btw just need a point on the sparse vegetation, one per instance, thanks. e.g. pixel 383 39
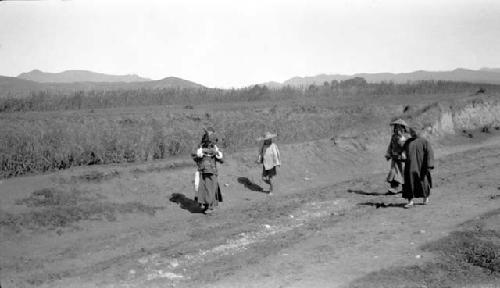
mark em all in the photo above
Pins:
pixel 466 257
pixel 93 176
pixel 53 208
pixel 161 168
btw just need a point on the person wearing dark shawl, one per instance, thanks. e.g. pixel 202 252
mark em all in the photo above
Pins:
pixel 395 153
pixel 206 157
pixel 417 175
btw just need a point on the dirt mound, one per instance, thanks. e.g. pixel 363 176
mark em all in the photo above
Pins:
pixel 449 117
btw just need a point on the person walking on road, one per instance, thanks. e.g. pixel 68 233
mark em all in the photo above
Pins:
pixel 269 157
pixel 395 153
pixel 417 170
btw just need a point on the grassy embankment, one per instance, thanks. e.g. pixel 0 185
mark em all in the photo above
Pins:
pixel 37 140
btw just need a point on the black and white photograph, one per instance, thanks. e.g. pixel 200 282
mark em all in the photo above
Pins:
pixel 250 143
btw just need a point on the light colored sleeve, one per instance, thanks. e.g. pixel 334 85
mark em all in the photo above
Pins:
pixel 277 151
pixel 218 153
pixel 199 152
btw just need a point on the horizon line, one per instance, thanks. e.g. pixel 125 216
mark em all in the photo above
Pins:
pixel 269 81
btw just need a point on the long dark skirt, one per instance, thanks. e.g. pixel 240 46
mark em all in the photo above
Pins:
pixel 417 186
pixel 209 190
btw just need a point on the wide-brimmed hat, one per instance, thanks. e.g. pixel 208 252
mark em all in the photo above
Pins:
pixel 209 129
pixel 267 135
pixel 399 122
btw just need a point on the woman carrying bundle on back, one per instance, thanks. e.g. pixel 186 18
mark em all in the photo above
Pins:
pixel 269 157
pixel 206 157
pixel 395 153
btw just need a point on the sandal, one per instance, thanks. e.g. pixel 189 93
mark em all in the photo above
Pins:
pixel 408 205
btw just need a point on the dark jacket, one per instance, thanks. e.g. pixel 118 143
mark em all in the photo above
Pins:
pixel 419 162
pixel 207 158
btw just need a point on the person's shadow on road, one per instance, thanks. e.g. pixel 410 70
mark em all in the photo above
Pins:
pixel 382 204
pixel 249 184
pixel 366 193
pixel 186 203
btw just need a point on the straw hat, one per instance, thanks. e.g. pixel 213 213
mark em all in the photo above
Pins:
pixel 267 135
pixel 209 129
pixel 399 122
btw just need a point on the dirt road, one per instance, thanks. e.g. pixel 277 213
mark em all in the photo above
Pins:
pixel 329 226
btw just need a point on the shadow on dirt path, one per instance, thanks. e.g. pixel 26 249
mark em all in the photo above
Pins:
pixel 186 203
pixel 362 192
pixel 249 184
pixel 382 204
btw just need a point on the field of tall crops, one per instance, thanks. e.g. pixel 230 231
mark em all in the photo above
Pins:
pixel 36 142
pixel 49 132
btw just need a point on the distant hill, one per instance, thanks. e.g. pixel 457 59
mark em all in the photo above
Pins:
pixel 81 79
pixel 19 87
pixel 272 84
pixel 318 79
pixel 165 83
pixel 484 75
pixel 13 86
pixel 71 76
pixel 490 69
pixel 169 82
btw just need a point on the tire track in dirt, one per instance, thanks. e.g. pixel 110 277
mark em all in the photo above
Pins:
pixel 173 268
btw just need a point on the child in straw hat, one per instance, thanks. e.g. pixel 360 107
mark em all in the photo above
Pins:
pixel 269 157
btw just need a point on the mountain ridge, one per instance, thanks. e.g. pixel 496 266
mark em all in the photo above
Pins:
pixel 483 75
pixel 71 76
pixel 19 86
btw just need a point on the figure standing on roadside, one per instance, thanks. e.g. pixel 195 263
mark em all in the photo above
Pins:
pixel 206 157
pixel 395 153
pixel 197 160
pixel 417 175
pixel 269 157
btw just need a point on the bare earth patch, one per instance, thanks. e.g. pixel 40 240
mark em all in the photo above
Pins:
pixel 52 208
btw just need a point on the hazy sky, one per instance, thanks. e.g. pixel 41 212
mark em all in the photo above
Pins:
pixel 237 43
